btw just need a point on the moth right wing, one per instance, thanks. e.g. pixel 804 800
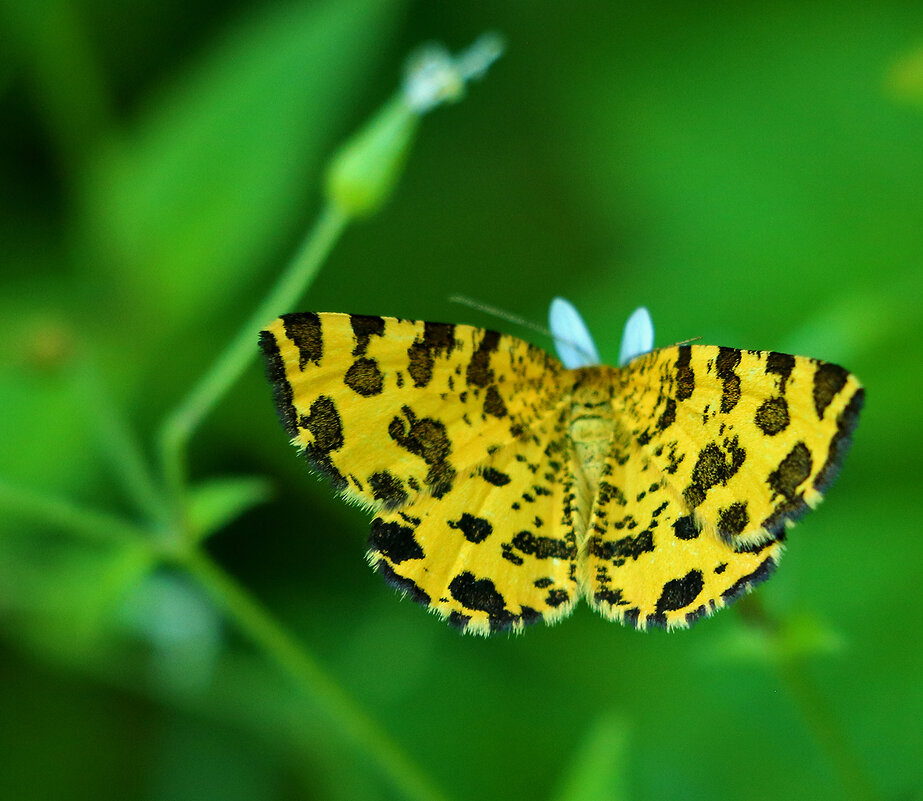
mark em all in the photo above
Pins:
pixel 719 452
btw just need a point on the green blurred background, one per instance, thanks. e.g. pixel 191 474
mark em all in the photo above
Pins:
pixel 753 173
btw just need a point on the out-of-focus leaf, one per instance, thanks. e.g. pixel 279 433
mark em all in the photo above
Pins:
pixel 45 444
pixel 173 616
pixel 217 169
pixel 597 769
pixel 904 81
pixel 215 503
pixel 63 602
pixel 797 636
pixel 49 42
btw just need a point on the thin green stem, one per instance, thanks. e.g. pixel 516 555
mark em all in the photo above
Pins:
pixel 827 730
pixel 817 713
pixel 182 421
pixel 88 523
pixel 295 660
pixel 120 444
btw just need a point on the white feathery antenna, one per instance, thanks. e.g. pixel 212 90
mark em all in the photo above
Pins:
pixel 638 337
pixel 572 339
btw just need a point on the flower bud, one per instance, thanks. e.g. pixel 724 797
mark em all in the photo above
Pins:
pixel 363 172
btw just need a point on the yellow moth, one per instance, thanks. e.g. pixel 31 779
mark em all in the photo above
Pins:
pixel 507 484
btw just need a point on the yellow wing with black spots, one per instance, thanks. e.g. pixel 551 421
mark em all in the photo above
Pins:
pixel 500 549
pixel 722 450
pixel 390 409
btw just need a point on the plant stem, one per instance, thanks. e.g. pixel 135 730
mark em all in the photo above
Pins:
pixel 90 524
pixel 817 713
pixel 185 418
pixel 120 444
pixel 827 731
pixel 268 635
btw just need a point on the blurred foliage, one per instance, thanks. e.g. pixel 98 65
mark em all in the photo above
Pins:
pixel 749 172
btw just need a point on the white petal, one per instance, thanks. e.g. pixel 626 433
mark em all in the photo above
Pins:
pixel 572 338
pixel 638 337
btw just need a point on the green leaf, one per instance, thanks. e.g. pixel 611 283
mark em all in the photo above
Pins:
pixel 64 601
pixel 218 167
pixel 597 768
pixel 904 81
pixel 796 636
pixel 215 503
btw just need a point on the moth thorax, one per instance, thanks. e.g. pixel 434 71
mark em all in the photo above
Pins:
pixel 591 413
pixel 590 431
pixel 591 427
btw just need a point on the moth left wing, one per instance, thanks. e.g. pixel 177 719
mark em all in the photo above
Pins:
pixel 390 410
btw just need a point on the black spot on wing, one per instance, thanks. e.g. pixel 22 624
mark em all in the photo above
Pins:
pixel 630 616
pixel 780 364
pixel 685 528
pixel 438 339
pixel 544 547
pixel 324 425
pixel 685 378
pixel 557 597
pixel 715 465
pixel 610 596
pixel 364 328
pixel 364 378
pixel 732 520
pixel 495 477
pixel 791 472
pixel 609 493
pixel 783 481
pixel 772 416
pixel 323 422
pixel 669 415
pixel 478 372
pixel 474 529
pixel 681 592
pixel 395 541
pixel 618 550
pixel 696 615
pixel 426 438
pixel 304 329
pixel 527 615
pixel 458 620
pixel 493 403
pixel 725 364
pixel 829 380
pixel 388 489
pixel 281 388
pixel 481 595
